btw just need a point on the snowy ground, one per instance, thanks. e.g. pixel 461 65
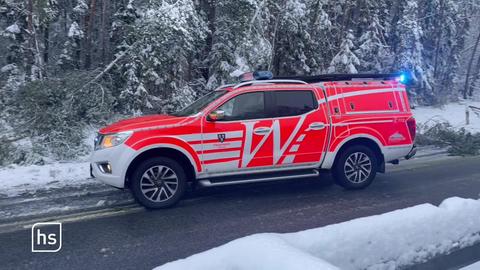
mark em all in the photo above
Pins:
pixel 475 266
pixel 453 113
pixel 15 180
pixel 388 241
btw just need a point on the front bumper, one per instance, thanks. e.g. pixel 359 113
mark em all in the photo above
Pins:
pixel 119 158
pixel 412 152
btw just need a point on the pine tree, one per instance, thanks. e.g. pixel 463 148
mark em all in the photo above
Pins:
pixel 345 61
pixel 70 57
pixel 238 41
pixel 13 72
pixel 291 39
pixel 410 50
pixel 319 33
pixel 166 37
pixel 373 52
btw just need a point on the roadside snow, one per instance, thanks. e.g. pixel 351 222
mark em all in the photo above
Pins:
pixel 453 113
pixel 475 266
pixel 15 180
pixel 388 241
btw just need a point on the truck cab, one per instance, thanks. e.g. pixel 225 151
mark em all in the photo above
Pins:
pixel 263 129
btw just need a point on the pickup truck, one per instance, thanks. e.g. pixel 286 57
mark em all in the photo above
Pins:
pixel 262 129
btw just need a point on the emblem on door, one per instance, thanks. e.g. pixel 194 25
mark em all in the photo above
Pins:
pixel 221 137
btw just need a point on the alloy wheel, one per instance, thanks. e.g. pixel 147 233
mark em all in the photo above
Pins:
pixel 159 183
pixel 358 167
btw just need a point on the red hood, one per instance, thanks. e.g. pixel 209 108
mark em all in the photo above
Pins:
pixel 142 122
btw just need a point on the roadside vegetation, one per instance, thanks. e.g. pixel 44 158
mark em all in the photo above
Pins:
pixel 459 142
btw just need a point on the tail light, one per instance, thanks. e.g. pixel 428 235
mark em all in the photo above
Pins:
pixel 412 127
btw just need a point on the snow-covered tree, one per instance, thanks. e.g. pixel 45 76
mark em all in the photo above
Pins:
pixel 166 39
pixel 70 56
pixel 410 50
pixel 373 52
pixel 291 39
pixel 239 41
pixel 318 44
pixel 345 61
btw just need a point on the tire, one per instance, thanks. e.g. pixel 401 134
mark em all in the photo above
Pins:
pixel 356 167
pixel 158 182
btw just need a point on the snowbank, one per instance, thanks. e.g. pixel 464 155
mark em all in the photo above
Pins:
pixel 453 113
pixel 18 179
pixel 475 266
pixel 386 241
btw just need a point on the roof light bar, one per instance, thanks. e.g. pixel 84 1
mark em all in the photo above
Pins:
pixel 257 75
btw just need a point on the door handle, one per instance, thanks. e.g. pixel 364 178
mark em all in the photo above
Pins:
pixel 316 126
pixel 261 131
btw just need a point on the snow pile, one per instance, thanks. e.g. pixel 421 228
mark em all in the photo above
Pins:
pixel 474 266
pixel 388 241
pixel 453 113
pixel 18 179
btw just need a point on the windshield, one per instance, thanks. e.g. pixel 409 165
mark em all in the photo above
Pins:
pixel 200 103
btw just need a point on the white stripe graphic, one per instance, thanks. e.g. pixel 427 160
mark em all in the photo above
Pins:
pixel 211 136
pixel 361 93
pixel 220 155
pixel 300 138
pixel 373 112
pixel 217 146
pixel 223 166
pixel 361 123
pixel 288 159
pixel 294 148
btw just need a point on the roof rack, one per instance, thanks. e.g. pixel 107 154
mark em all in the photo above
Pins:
pixel 341 77
pixel 269 81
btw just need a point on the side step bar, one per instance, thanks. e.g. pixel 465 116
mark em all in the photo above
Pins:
pixel 259 178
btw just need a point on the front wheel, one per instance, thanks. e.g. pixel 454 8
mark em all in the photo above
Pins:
pixel 158 182
pixel 356 167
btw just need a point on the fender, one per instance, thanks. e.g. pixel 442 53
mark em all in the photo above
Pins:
pixel 168 142
pixel 331 155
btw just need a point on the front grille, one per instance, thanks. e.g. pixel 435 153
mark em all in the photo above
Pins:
pixel 97 141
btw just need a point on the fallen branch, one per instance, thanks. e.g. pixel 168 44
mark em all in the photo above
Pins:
pixel 109 66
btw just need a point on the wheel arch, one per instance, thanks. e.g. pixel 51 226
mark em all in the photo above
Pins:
pixel 364 139
pixel 163 151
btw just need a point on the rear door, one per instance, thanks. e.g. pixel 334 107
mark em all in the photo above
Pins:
pixel 300 127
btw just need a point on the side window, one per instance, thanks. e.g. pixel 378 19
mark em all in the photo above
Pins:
pixel 296 102
pixel 244 107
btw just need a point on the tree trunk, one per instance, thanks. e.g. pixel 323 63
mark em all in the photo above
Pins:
pixel 88 33
pixel 30 52
pixel 467 91
pixel 104 39
pixel 438 38
pixel 46 43
pixel 477 78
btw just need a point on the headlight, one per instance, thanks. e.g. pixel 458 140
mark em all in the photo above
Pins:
pixel 111 140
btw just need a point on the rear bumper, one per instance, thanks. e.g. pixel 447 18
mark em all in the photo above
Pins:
pixel 412 152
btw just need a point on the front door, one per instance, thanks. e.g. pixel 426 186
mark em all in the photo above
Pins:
pixel 239 140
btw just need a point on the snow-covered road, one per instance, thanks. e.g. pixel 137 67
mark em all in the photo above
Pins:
pixel 61 188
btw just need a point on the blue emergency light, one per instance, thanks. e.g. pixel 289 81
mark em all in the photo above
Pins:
pixel 404 78
pixel 257 75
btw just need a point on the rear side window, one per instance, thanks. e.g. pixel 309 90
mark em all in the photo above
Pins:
pixel 295 102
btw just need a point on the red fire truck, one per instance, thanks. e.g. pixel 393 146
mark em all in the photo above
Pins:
pixel 262 129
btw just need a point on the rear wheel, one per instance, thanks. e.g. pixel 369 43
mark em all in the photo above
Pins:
pixel 356 167
pixel 158 182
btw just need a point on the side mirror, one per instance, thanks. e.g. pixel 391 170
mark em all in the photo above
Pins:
pixel 216 115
